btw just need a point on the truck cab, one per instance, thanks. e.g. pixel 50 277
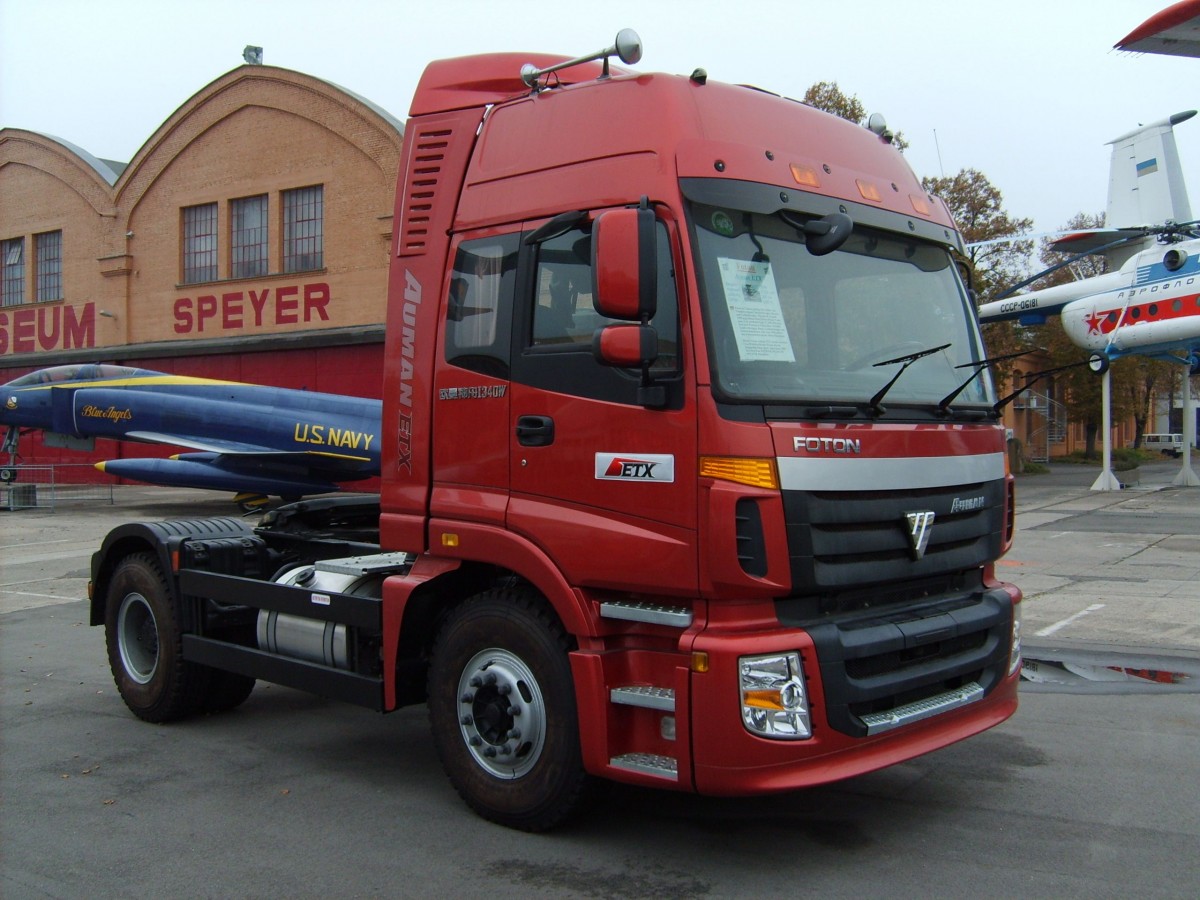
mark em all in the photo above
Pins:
pixel 692 476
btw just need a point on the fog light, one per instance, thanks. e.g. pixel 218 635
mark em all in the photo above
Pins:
pixel 1014 656
pixel 774 701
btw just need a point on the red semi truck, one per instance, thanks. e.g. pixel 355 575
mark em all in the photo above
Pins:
pixel 692 475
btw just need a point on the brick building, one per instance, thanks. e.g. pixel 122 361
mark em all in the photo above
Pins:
pixel 247 239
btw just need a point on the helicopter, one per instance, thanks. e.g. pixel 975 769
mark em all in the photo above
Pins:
pixel 1149 303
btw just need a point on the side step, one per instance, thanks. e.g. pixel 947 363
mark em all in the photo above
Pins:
pixel 647 764
pixel 644 695
pixel 653 613
pixel 373 564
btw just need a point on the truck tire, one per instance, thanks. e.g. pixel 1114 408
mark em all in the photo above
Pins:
pixel 226 691
pixel 502 710
pixel 145 652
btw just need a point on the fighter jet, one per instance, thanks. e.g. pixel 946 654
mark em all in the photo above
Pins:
pixel 247 438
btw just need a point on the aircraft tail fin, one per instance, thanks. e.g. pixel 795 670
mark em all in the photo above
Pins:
pixel 1145 183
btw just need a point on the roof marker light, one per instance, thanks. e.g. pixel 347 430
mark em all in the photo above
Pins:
pixel 868 190
pixel 805 175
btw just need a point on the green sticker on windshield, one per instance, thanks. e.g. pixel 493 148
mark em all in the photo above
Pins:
pixel 722 224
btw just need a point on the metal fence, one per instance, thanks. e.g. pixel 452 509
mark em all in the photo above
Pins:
pixel 45 487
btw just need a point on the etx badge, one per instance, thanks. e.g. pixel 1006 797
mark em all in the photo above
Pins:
pixel 635 467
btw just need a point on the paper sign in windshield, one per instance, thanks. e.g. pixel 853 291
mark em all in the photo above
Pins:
pixel 754 311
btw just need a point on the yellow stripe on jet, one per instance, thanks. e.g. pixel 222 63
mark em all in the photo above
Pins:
pixel 155 380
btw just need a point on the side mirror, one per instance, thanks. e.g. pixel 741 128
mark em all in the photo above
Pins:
pixel 823 235
pixel 626 345
pixel 625 261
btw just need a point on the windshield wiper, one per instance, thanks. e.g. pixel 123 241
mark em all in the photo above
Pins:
pixel 943 407
pixel 873 405
pixel 1034 379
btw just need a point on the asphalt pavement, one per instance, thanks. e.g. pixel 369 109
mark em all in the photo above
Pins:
pixel 1089 791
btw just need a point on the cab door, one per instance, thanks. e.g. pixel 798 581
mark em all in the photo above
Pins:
pixel 471 381
pixel 601 482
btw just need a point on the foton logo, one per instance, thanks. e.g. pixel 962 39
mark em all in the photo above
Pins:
pixel 827 445
pixel 635 467
pixel 919 526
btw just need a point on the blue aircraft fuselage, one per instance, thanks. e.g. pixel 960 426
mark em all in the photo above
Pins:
pixel 244 437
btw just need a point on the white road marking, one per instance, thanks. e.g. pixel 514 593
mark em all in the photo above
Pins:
pixel 43 596
pixel 1046 632
pixel 35 544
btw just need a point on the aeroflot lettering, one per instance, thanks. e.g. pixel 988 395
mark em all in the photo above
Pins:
pixel 827 445
pixel 1178 284
pixel 408 352
pixel 328 436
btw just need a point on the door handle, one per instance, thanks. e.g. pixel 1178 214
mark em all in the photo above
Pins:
pixel 535 431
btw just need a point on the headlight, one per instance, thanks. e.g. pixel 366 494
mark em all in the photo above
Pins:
pixel 774 701
pixel 1014 656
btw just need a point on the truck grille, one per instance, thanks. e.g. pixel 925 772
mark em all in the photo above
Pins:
pixel 840 541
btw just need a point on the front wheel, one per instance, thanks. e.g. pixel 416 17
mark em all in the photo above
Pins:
pixel 502 710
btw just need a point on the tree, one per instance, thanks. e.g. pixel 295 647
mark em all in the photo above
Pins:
pixel 996 260
pixel 827 96
pixel 998 257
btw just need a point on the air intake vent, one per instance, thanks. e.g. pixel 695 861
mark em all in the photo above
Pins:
pixel 751 545
pixel 429 153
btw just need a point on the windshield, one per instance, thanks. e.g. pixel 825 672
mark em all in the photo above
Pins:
pixel 77 372
pixel 790 327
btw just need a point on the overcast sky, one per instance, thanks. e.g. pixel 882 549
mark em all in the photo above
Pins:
pixel 1026 91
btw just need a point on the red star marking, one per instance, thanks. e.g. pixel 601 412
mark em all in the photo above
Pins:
pixel 1094 321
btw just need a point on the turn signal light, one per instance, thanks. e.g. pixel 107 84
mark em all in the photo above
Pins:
pixel 760 473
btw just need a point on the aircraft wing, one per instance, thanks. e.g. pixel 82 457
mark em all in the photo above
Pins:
pixel 217 447
pixel 1174 31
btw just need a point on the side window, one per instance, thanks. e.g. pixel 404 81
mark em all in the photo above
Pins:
pixel 479 311
pixel 557 321
pixel 562 303
pixel 563 315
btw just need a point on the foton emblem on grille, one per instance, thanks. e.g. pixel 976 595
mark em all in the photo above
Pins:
pixel 919 526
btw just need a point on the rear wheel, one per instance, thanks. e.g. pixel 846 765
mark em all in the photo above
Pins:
pixel 226 690
pixel 144 639
pixel 502 710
